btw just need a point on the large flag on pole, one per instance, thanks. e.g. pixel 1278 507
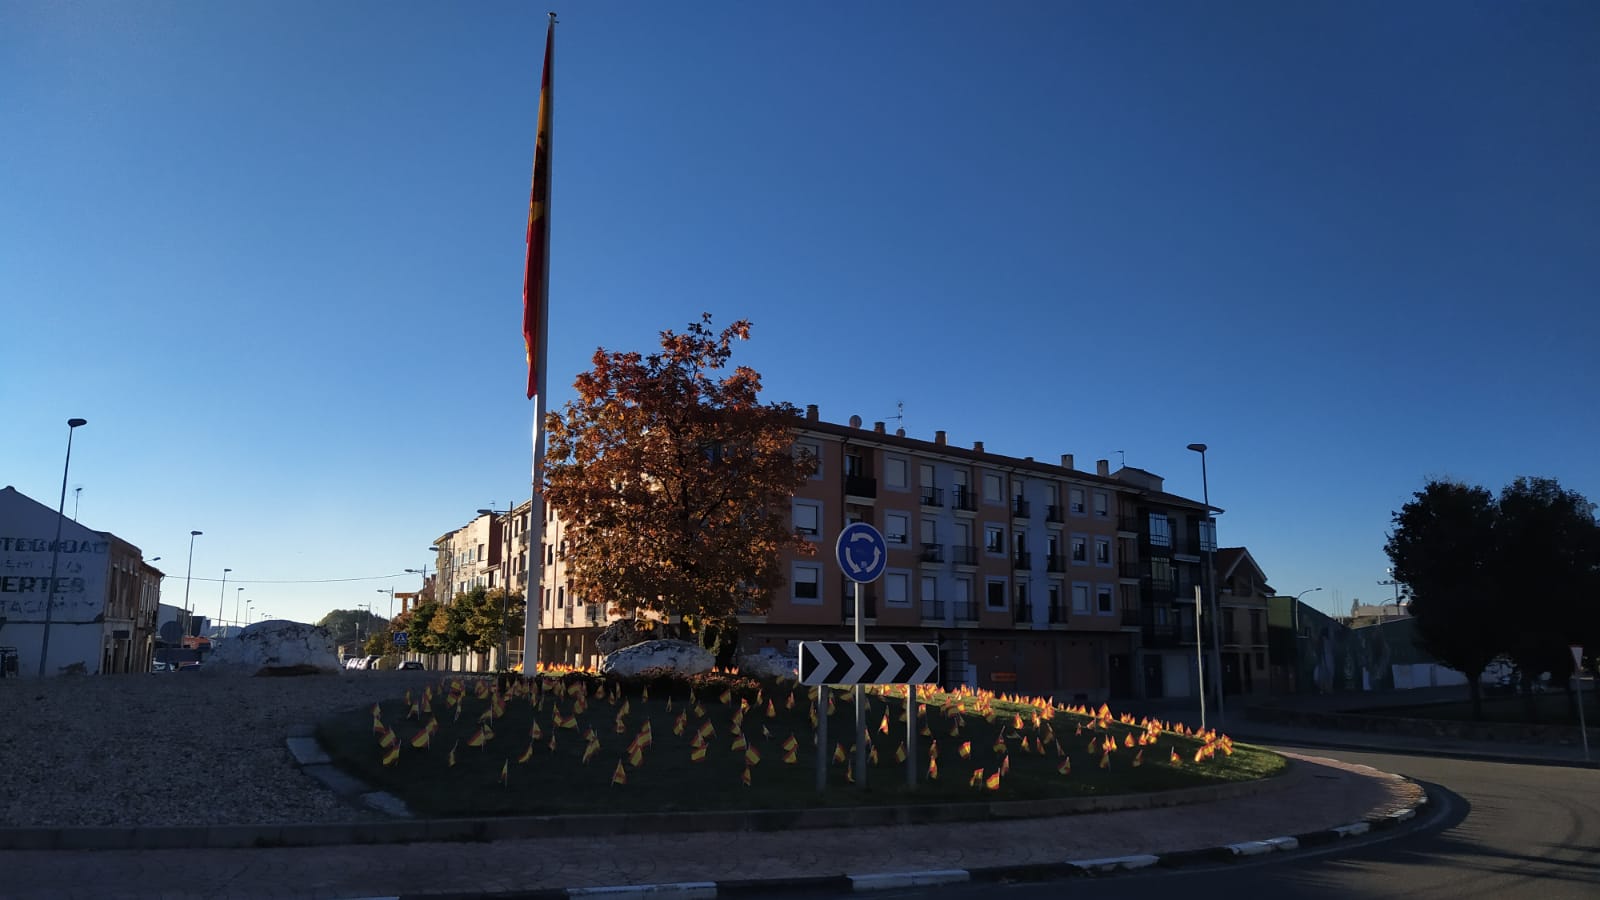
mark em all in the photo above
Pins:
pixel 536 275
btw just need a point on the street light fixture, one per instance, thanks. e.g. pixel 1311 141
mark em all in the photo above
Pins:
pixel 55 548
pixel 390 592
pixel 222 596
pixel 236 593
pixel 1211 584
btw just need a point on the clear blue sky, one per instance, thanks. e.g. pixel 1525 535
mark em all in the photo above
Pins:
pixel 272 251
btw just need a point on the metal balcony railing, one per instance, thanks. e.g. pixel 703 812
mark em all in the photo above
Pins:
pixel 1130 569
pixel 1020 508
pixel 932 553
pixel 1024 611
pixel 966 611
pixel 1055 562
pixel 1022 559
pixel 1052 513
pixel 961 498
pixel 964 555
pixel 933 610
pixel 932 496
pixel 869 604
pixel 1058 614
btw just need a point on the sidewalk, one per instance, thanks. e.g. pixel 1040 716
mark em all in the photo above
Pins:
pixel 1314 798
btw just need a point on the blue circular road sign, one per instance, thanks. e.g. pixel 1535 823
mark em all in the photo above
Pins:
pixel 862 552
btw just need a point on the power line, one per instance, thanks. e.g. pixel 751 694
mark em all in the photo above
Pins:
pixel 307 580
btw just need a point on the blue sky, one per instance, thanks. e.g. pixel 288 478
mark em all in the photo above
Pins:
pixel 272 252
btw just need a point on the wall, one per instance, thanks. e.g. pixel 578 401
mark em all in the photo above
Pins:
pixel 27 531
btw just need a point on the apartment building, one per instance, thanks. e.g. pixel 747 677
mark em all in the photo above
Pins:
pixel 1242 591
pixel 1031 576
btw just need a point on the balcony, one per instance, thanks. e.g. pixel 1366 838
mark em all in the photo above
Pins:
pixel 964 555
pixel 1129 524
pixel 1052 513
pixel 933 610
pixel 931 553
pixel 932 497
pixel 1130 569
pixel 860 486
pixel 1055 562
pixel 1020 508
pixel 1022 559
pixel 1058 614
pixel 1024 611
pixel 961 498
pixel 966 611
pixel 594 615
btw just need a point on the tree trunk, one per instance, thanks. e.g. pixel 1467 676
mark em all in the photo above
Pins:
pixel 1475 691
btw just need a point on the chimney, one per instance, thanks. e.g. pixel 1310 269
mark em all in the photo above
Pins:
pixel 1102 467
pixel 877 427
pixel 938 438
pixel 977 446
pixel 811 412
pixel 899 432
pixel 1066 460
pixel 855 421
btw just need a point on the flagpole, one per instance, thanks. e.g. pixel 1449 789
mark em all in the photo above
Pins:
pixel 534 606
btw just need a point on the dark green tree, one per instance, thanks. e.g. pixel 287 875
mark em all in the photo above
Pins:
pixel 352 626
pixel 1443 551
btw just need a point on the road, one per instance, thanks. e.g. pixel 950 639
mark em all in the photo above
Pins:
pixel 1496 830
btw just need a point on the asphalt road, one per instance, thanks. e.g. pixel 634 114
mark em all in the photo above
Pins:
pixel 1494 830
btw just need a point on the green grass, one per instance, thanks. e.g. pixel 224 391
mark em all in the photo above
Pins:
pixel 1551 710
pixel 557 781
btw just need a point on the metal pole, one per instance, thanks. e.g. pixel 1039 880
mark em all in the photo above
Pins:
pixel 1583 730
pixel 1199 658
pixel 222 596
pixel 911 735
pixel 55 548
pixel 1211 587
pixel 822 737
pixel 188 573
pixel 861 696
pixel 237 592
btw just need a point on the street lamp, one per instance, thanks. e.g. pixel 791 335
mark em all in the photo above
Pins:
pixel 236 593
pixel 1211 583
pixel 249 609
pixel 187 573
pixel 390 592
pixel 505 585
pixel 55 548
pixel 1295 609
pixel 222 596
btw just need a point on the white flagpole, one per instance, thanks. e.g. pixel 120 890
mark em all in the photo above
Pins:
pixel 534 605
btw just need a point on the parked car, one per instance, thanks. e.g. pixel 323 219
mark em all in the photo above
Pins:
pixel 411 664
pixel 188 667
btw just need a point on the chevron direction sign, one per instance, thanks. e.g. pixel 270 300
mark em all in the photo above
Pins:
pixel 843 662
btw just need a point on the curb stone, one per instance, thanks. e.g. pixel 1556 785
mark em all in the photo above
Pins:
pixel 874 881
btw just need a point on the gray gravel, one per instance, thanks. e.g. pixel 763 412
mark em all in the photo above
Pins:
pixel 173 749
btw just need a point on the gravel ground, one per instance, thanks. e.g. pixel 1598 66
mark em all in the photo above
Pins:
pixel 171 749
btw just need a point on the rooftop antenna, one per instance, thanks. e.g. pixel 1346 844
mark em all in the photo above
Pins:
pixel 900 415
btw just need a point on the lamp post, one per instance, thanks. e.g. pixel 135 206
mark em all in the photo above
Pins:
pixel 183 626
pixel 222 598
pixel 249 608
pixel 1294 610
pixel 1211 584
pixel 55 548
pixel 505 584
pixel 236 597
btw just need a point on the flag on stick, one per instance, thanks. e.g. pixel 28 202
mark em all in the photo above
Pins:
pixel 536 270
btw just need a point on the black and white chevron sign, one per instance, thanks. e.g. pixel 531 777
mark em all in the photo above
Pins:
pixel 843 662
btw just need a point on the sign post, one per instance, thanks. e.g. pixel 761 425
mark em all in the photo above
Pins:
pixel 862 554
pixel 824 663
pixel 1577 680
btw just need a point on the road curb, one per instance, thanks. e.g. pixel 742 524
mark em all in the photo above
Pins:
pixel 1028 872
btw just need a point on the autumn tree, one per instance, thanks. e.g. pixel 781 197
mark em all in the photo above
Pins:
pixel 675 481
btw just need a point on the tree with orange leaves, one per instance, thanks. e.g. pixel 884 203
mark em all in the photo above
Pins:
pixel 676 481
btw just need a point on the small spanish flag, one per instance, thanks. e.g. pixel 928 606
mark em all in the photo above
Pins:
pixel 965 751
pixel 393 756
pixel 453 753
pixel 588 751
pixel 739 743
pixel 993 783
pixel 698 754
pixel 636 758
pixel 977 778
pixel 1175 759
pixel 478 738
pixel 1066 765
pixel 526 754
pixel 789 757
pixel 505 773
pixel 746 776
pixel 900 752
pixel 1105 760
pixel 933 750
pixel 838 753
pixel 752 756
pixel 883 727
pixel 422 739
pixel 620 776
pixel 933 770
pixel 772 711
pixel 1005 765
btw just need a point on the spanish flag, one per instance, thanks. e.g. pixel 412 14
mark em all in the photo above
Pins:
pixel 536 272
pixel 620 776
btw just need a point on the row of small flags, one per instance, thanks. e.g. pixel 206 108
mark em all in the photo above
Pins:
pixel 955 709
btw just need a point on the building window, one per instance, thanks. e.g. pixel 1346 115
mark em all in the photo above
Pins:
pixel 1208 536
pixel 1102 504
pixel 894 472
pixel 1080 599
pixel 1160 573
pixel 932 608
pixel 991 488
pixel 897 588
pixel 1022 595
pixel 1160 530
pixel 807 583
pixel 561 597
pixel 994 539
pixel 807 518
pixel 1102 551
pixel 1256 637
pixel 807 449
pixel 546 598
pixel 1228 637
pixel 930 531
pixel 896 527
pixel 1075 501
pixel 1055 602
pixel 994 596
pixel 1102 595
pixel 1080 549
pixel 1159 615
pixel 853 467
pixel 925 475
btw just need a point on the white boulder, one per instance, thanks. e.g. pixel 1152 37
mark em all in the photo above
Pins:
pixel 770 666
pixel 618 634
pixel 275 647
pixel 658 658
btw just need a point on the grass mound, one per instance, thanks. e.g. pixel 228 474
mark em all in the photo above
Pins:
pixel 574 742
